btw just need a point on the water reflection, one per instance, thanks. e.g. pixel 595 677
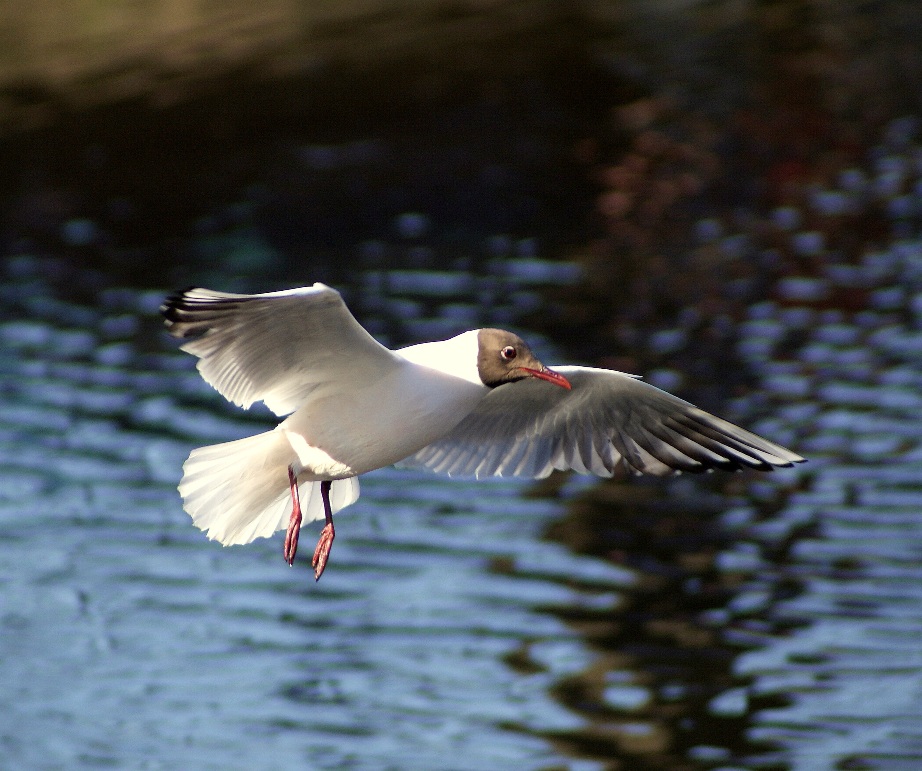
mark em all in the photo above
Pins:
pixel 735 620
pixel 660 690
pixel 767 636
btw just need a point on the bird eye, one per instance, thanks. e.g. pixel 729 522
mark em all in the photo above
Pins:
pixel 508 353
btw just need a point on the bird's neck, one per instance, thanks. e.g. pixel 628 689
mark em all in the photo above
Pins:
pixel 456 357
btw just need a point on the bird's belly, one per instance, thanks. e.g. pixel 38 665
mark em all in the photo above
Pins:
pixel 353 430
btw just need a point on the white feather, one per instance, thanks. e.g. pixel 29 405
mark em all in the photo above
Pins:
pixel 239 491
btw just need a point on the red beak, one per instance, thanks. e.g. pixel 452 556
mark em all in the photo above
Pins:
pixel 548 374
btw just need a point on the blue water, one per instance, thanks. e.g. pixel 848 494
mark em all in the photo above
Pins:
pixel 448 632
pixel 130 641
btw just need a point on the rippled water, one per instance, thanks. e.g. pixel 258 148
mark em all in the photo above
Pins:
pixel 743 622
pixel 851 672
pixel 789 637
pixel 131 641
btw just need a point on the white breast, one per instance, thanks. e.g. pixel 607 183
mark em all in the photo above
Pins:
pixel 358 427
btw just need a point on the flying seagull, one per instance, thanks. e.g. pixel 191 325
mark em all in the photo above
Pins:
pixel 479 404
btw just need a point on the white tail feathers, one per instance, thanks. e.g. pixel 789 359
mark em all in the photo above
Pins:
pixel 238 491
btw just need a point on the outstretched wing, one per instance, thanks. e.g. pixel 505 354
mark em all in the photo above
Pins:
pixel 275 347
pixel 529 428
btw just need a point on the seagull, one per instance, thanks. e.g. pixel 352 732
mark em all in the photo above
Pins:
pixel 479 404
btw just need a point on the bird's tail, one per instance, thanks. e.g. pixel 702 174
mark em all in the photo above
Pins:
pixel 239 491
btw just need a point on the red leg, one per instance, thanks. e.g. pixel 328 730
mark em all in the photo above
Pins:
pixel 322 552
pixel 294 524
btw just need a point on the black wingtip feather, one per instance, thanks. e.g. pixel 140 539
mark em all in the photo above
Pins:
pixel 176 311
pixel 173 302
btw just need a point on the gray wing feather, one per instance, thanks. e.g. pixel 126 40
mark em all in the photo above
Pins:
pixel 275 347
pixel 529 428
